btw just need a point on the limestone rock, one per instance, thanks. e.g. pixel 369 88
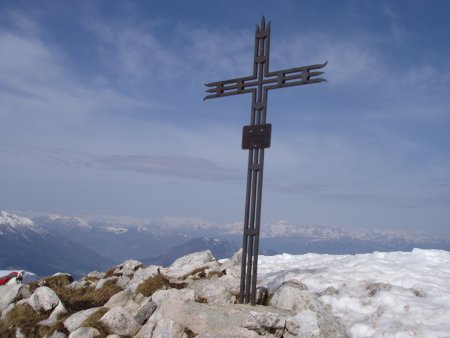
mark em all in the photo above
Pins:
pixel 166 296
pixel 123 282
pixel 128 268
pixel 144 311
pixel 7 310
pixel 232 266
pixel 43 298
pixel 85 332
pixel 96 275
pixel 143 274
pixel 79 284
pixel 120 322
pixel 137 305
pixel 162 328
pixel 223 290
pixel 76 320
pixel 57 334
pixel 102 282
pixel 293 296
pixel 199 262
pixel 59 310
pixel 266 322
pixel 119 299
pixel 9 294
pixel 177 317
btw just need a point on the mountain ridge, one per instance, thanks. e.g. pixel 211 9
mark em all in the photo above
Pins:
pixel 28 246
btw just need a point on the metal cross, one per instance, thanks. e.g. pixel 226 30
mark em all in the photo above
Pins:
pixel 256 137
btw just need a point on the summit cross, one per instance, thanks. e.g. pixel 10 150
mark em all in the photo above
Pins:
pixel 256 137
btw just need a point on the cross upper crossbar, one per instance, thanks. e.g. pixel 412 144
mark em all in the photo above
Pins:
pixel 277 79
pixel 261 75
pixel 256 137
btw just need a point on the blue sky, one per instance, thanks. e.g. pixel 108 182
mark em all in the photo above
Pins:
pixel 102 113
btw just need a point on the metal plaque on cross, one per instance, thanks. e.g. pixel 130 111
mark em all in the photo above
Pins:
pixel 256 137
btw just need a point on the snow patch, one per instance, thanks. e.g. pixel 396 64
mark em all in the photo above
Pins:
pixel 114 230
pixel 382 294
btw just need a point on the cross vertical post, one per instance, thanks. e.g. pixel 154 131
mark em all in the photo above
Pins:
pixel 256 137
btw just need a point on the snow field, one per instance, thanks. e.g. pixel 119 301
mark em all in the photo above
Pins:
pixel 395 294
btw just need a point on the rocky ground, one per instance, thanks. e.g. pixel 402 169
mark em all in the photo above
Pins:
pixel 194 297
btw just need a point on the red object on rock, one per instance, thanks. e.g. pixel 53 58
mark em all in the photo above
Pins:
pixel 8 277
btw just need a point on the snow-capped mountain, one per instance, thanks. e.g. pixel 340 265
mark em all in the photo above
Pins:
pixel 118 240
pixel 121 238
pixel 126 237
pixel 28 246
pixel 282 236
pixel 14 224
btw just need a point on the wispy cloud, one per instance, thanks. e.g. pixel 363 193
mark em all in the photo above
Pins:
pixel 182 167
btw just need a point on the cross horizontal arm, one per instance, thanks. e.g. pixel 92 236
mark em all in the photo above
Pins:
pixel 230 87
pixel 295 76
pixel 272 80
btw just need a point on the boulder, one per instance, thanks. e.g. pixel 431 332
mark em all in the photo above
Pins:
pixel 128 268
pixel 58 334
pixel 102 282
pixel 9 294
pixel 120 322
pixel 143 274
pixel 59 310
pixel 5 312
pixel 162 327
pixel 77 319
pixel 119 299
pixel 123 282
pixel 144 311
pixel 165 296
pixel 43 298
pixel 265 322
pixel 232 266
pixel 85 332
pixel 75 285
pixel 95 275
pixel 223 290
pixel 177 315
pixel 196 263
pixel 294 296
pixel 138 306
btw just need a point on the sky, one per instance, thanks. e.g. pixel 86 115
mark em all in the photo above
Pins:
pixel 102 111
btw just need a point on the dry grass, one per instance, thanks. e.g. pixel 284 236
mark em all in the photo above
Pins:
pixel 202 300
pixel 197 273
pixel 53 282
pixel 93 321
pixel 58 326
pixel 200 273
pixel 24 317
pixel 86 298
pixel 150 285
pixel 110 273
pixel 59 281
pixel 189 333
pixel 79 299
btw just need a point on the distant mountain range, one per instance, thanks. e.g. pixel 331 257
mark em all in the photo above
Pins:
pixel 28 246
pixel 49 243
